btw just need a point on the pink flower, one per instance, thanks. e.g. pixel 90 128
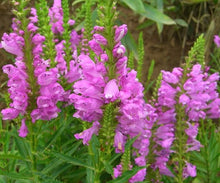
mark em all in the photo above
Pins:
pixel 120 32
pixel 217 40
pixel 111 90
pixel 189 170
pixel 13 44
pixel 117 171
pixel 170 77
pixel 140 161
pixel 47 77
pixel 9 113
pixel 100 39
pixel 184 99
pixel 86 135
pixel 56 16
pixel 95 46
pixel 23 131
pixel 119 142
pixel 36 114
pixel 139 176
pixel 71 22
pixel 119 51
pixel 192 131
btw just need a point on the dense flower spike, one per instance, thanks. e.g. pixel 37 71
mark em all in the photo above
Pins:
pixel 17 83
pixel 90 72
pixel 50 91
pixel 56 15
pixel 200 99
pixel 96 89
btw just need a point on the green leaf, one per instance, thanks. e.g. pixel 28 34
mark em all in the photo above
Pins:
pixel 148 11
pixel 150 70
pixel 16 176
pixel 77 1
pixel 130 142
pixel 157 16
pixel 10 156
pixel 136 5
pixel 181 22
pixel 71 160
pixel 23 147
pixel 126 175
pixel 145 24
pixel 193 1
pixel 160 8
pixel 108 168
pixel 76 175
pixel 55 136
pixel 130 43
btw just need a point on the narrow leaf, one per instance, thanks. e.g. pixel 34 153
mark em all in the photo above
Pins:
pixel 154 14
pixel 136 5
pixel 71 160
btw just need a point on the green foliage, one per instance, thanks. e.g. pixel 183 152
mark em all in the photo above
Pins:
pixel 45 29
pixel 157 86
pixel 197 52
pixel 126 160
pixel 149 83
pixel 148 11
pixel 131 60
pixel 207 160
pixel 66 33
pixel 88 20
pixel 109 123
pixel 140 56
pixel 49 153
pixel 215 64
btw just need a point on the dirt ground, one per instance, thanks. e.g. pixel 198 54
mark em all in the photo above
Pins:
pixel 166 49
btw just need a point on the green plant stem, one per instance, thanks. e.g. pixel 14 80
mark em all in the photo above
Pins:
pixel 97 165
pixel 151 173
pixel 180 143
pixel 32 81
pixel 33 154
pixel 204 137
pixel 110 35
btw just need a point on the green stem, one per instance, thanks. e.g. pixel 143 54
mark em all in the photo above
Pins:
pixel 33 143
pixel 34 88
pixel 180 142
pixel 96 164
pixel 204 137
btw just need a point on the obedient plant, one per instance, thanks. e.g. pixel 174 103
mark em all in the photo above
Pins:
pixel 56 68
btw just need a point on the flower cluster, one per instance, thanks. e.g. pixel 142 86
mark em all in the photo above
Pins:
pixel 17 83
pixel 164 135
pixel 98 75
pixel 199 98
pixel 96 89
pixel 32 77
